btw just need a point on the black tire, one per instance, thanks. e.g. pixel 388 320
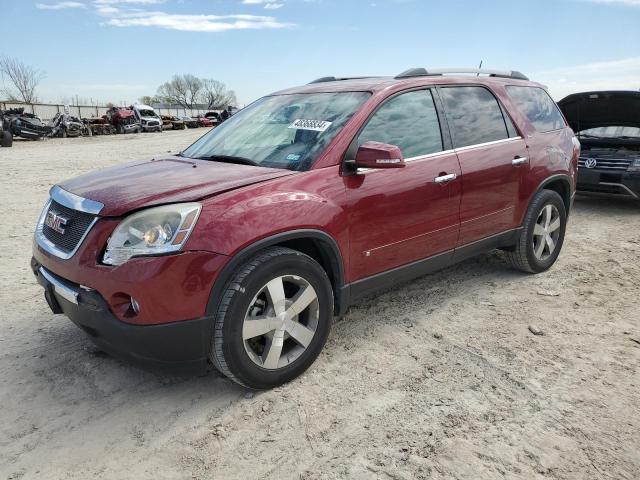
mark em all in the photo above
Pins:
pixel 523 256
pixel 120 129
pixel 7 139
pixel 228 353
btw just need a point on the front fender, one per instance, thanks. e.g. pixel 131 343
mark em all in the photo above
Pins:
pixel 232 221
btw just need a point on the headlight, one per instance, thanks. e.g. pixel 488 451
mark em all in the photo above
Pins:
pixel 635 166
pixel 152 231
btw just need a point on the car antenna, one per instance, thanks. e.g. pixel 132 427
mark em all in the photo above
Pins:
pixel 479 67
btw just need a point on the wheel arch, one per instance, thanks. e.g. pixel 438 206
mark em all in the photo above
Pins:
pixel 561 184
pixel 317 244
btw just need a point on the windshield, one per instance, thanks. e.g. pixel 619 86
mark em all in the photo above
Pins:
pixel 611 132
pixel 147 113
pixel 283 131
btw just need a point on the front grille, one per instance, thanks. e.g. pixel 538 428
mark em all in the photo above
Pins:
pixel 153 123
pixel 77 225
pixel 606 162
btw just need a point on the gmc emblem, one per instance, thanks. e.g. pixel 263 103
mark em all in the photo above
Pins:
pixel 55 221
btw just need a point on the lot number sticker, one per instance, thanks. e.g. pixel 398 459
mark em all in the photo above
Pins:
pixel 313 125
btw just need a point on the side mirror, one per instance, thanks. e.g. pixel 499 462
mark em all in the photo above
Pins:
pixel 379 155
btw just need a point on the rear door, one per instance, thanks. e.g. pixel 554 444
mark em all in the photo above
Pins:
pixel 493 159
pixel 397 216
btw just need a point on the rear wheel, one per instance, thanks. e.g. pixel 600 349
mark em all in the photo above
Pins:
pixel 542 235
pixel 273 319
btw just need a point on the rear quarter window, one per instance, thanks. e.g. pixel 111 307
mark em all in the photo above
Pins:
pixel 538 106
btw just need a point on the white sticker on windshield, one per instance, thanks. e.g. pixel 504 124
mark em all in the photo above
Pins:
pixel 313 125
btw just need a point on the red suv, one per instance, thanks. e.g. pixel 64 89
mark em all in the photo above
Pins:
pixel 240 250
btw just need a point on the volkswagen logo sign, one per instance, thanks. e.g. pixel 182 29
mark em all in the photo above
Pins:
pixel 590 163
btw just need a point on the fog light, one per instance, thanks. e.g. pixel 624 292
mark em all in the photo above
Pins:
pixel 135 305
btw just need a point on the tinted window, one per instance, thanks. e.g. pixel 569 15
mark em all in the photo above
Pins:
pixel 474 116
pixel 408 121
pixel 537 105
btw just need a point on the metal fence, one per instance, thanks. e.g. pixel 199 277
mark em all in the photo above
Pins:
pixel 46 111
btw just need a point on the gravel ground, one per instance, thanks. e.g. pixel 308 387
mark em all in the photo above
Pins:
pixel 437 378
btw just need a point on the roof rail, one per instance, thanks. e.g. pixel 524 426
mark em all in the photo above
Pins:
pixel 423 72
pixel 337 79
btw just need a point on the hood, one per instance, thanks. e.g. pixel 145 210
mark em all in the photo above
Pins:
pixel 601 109
pixel 168 180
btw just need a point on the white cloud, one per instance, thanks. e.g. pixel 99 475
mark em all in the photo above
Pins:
pixel 194 23
pixel 268 4
pixel 59 5
pixel 621 74
pixel 130 2
pixel 131 13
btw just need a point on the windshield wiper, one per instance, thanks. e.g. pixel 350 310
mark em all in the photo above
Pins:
pixel 627 137
pixel 230 159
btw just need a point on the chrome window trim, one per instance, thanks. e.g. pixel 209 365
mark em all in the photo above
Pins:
pixel 75 202
pixel 47 245
pixel 429 155
pixel 495 142
pixel 60 287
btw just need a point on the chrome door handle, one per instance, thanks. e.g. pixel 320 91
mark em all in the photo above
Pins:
pixel 519 161
pixel 445 178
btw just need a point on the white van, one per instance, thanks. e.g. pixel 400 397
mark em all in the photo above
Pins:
pixel 147 117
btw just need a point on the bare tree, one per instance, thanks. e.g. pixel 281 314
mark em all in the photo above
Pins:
pixel 183 90
pixel 150 100
pixel 24 79
pixel 216 94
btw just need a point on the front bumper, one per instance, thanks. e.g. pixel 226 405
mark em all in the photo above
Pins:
pixel 608 182
pixel 180 345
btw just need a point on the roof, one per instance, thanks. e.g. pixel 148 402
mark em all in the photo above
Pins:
pixel 376 84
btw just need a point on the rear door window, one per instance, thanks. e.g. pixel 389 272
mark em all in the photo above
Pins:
pixel 538 106
pixel 474 116
pixel 409 121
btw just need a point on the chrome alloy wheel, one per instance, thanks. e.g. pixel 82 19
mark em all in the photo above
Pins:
pixel 546 232
pixel 280 322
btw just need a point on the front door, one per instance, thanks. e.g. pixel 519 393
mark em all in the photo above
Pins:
pixel 398 216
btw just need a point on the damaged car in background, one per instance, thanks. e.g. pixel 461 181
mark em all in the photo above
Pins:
pixel 99 126
pixel 65 125
pixel 607 125
pixel 123 119
pixel 25 125
pixel 169 122
pixel 147 118
pixel 190 122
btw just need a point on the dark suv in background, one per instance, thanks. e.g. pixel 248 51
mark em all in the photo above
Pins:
pixel 239 250
pixel 608 127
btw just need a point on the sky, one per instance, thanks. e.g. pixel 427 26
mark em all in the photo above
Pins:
pixel 120 50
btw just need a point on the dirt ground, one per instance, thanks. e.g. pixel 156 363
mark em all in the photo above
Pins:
pixel 438 378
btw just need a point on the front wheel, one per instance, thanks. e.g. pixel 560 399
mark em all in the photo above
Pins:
pixel 542 235
pixel 273 320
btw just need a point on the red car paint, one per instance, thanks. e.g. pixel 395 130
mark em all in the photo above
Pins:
pixel 379 220
pixel 205 122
